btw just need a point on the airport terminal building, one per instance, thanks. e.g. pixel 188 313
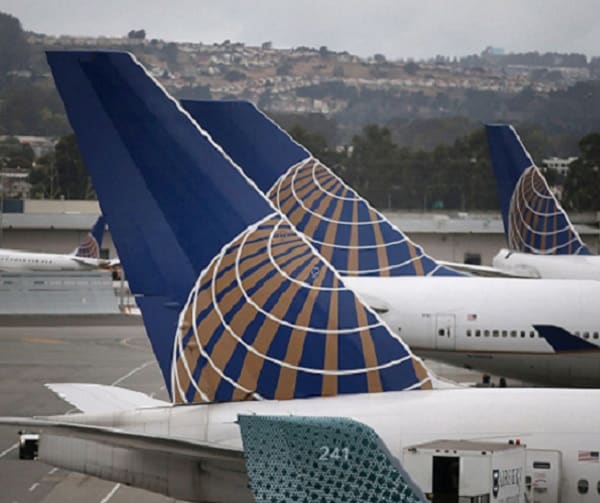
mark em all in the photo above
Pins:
pixel 58 226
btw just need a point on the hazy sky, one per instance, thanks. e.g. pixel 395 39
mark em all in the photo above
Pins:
pixel 396 28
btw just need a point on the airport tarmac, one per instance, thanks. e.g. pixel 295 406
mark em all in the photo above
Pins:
pixel 104 350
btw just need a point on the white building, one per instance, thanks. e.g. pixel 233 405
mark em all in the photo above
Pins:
pixel 59 226
pixel 558 164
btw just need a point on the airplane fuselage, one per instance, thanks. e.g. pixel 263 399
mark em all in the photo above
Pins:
pixel 547 419
pixel 548 266
pixel 488 324
pixel 22 261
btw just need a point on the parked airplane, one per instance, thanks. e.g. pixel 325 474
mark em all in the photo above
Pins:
pixel 85 257
pixel 495 325
pixel 240 308
pixel 541 238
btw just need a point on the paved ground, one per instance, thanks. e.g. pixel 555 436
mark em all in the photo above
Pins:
pixel 103 350
pixel 71 350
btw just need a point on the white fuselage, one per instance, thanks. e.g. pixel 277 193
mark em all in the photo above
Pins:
pixel 550 419
pixel 548 266
pixel 22 261
pixel 488 324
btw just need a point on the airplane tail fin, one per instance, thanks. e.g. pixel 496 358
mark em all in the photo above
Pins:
pixel 352 235
pixel 292 458
pixel 534 220
pixel 91 245
pixel 237 305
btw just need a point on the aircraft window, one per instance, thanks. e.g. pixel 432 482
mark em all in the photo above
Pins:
pixel 595 335
pixel 495 333
pixel 577 334
pixel 532 334
pixel 513 333
pixel 522 333
pixel 586 335
pixel 582 486
pixel 598 487
pixel 486 333
pixel 468 333
pixel 441 331
pixel 477 333
pixel 504 333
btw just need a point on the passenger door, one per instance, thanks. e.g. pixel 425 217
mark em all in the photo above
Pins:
pixel 445 332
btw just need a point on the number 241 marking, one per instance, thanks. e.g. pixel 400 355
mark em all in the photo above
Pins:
pixel 335 454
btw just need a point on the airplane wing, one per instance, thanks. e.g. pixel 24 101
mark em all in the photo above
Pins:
pixel 488 271
pixel 100 399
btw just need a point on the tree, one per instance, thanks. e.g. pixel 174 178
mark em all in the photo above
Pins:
pixel 411 68
pixel 582 185
pixel 171 52
pixel 234 76
pixel 14 49
pixel 374 160
pixel 72 174
pixel 137 34
pixel 43 178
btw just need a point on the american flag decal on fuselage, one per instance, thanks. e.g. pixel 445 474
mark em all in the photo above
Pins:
pixel 537 223
pixel 350 234
pixel 269 319
pixel 588 456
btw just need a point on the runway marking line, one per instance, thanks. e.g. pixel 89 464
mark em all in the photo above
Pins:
pixel 110 494
pixel 41 340
pixel 130 373
pixel 10 449
pixel 33 486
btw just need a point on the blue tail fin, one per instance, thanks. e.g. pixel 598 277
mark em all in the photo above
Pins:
pixel 292 458
pixel 534 221
pixel 237 305
pixel 354 237
pixel 91 245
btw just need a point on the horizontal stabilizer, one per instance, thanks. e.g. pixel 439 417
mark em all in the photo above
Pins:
pixel 126 439
pixel 321 459
pixel 561 340
pixel 490 272
pixel 176 467
pixel 100 399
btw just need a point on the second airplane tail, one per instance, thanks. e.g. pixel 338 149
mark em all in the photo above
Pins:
pixel 91 245
pixel 534 221
pixel 352 235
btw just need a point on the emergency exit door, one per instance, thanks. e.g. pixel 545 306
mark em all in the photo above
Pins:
pixel 445 328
